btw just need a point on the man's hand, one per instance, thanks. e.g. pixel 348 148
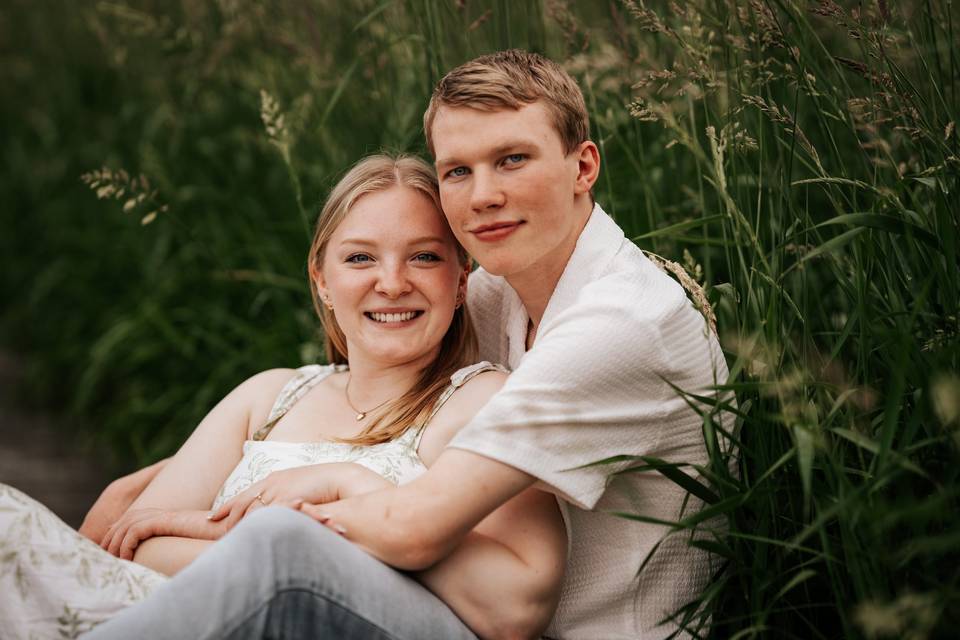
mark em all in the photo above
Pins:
pixel 315 484
pixel 116 499
pixel 416 524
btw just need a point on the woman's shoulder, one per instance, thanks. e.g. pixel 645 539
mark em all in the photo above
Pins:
pixel 265 390
pixel 470 389
pixel 485 371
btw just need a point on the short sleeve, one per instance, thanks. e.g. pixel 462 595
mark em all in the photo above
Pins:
pixel 598 385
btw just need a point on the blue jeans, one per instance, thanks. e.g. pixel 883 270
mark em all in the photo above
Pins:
pixel 279 574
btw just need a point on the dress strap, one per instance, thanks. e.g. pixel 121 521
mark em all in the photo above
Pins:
pixel 457 380
pixel 304 379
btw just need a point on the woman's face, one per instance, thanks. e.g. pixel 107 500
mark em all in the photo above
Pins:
pixel 392 273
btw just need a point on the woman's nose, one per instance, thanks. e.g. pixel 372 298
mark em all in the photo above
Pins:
pixel 392 280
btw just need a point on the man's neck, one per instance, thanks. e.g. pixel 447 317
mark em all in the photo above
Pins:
pixel 535 285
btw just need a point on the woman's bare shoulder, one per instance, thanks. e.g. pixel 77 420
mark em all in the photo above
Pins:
pixel 458 410
pixel 260 391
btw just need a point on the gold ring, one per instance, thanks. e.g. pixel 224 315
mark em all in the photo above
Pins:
pixel 259 497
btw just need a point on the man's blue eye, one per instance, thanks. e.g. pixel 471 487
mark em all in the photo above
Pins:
pixel 515 157
pixel 358 258
pixel 458 172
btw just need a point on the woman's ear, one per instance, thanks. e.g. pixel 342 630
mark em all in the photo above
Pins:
pixel 316 277
pixel 462 282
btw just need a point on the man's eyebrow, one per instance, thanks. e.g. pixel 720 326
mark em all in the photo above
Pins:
pixel 499 150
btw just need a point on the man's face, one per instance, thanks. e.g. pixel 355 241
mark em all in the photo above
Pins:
pixel 508 188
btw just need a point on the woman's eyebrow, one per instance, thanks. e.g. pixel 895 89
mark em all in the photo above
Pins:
pixel 360 241
pixel 418 240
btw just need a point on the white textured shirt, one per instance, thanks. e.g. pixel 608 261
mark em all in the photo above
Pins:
pixel 595 385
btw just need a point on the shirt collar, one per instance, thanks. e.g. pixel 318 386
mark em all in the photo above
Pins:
pixel 598 243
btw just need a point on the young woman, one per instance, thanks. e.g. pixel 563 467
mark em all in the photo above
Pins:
pixel 389 281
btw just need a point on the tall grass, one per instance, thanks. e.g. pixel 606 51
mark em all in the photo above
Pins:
pixel 799 158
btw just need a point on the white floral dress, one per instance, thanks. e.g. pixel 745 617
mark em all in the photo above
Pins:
pixel 54 583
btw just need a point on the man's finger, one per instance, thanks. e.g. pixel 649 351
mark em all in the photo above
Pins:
pixel 315 511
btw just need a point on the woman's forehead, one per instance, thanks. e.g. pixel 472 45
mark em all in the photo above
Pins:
pixel 399 214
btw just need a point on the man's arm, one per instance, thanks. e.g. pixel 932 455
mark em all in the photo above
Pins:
pixel 116 499
pixel 414 525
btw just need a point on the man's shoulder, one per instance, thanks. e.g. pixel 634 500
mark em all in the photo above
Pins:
pixel 633 289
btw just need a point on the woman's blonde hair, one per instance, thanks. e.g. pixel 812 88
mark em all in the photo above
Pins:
pixel 459 346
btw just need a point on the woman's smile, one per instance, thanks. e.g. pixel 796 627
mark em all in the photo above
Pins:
pixel 394 318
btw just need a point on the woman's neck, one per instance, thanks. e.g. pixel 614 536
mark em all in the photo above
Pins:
pixel 373 382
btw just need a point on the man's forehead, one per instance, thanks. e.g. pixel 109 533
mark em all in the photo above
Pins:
pixel 457 130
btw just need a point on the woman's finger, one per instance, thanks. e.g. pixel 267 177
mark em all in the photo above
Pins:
pixel 129 543
pixel 113 547
pixel 223 511
pixel 108 536
pixel 256 501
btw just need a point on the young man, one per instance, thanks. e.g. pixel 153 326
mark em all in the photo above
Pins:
pixel 595 335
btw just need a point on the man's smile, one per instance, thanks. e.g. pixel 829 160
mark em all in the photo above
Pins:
pixel 496 231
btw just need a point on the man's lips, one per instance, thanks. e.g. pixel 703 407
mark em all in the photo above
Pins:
pixel 496 231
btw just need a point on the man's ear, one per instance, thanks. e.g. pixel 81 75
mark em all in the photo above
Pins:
pixel 588 166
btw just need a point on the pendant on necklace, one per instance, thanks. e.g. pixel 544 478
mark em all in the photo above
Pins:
pixel 361 416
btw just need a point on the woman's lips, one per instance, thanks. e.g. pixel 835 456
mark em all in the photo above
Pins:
pixel 495 232
pixel 395 319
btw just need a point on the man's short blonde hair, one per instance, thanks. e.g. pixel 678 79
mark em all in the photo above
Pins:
pixel 510 80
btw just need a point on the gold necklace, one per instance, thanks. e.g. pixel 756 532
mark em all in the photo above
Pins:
pixel 360 414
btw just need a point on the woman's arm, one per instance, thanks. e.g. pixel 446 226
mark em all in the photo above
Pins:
pixel 169 554
pixel 504 577
pixel 191 479
pixel 172 539
pixel 116 499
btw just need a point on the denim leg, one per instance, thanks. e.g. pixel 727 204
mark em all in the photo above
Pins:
pixel 279 574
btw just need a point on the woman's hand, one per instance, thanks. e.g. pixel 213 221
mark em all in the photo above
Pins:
pixel 137 525
pixel 313 484
pixel 115 500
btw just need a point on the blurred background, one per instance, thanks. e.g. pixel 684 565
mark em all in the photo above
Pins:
pixel 163 164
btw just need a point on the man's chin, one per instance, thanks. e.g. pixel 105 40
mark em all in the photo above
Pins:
pixel 502 268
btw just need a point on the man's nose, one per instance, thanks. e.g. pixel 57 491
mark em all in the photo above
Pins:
pixel 393 280
pixel 487 193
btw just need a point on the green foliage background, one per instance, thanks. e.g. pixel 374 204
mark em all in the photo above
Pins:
pixel 799 158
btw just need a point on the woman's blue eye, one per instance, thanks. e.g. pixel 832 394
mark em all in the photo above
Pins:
pixel 358 258
pixel 427 257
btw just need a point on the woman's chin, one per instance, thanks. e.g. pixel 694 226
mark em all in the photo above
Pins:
pixel 404 352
